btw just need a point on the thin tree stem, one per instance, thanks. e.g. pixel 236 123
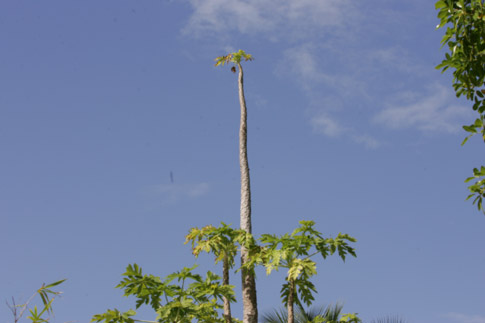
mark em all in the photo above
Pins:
pixel 291 301
pixel 250 307
pixel 225 282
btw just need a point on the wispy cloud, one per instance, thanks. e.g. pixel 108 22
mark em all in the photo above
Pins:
pixel 464 318
pixel 434 110
pixel 326 125
pixel 323 47
pixel 273 18
pixel 329 126
pixel 367 140
pixel 174 192
pixel 303 64
pixel 312 70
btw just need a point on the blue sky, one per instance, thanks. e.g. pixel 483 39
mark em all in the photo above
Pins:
pixel 350 126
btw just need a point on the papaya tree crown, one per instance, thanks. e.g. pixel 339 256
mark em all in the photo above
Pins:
pixel 235 58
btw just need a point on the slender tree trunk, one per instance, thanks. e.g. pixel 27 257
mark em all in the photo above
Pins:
pixel 291 301
pixel 250 306
pixel 225 281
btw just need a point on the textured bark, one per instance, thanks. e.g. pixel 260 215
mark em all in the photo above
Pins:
pixel 291 301
pixel 225 281
pixel 250 306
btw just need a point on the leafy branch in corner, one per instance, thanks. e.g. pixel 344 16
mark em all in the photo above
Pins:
pixel 47 296
pixel 465 29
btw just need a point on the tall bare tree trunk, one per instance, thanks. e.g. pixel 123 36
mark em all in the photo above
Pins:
pixel 250 306
pixel 225 281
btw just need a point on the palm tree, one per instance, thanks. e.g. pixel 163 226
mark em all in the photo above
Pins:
pixel 389 319
pixel 329 314
pixel 250 306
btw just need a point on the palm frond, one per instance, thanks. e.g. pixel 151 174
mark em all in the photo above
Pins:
pixel 329 313
pixel 276 316
pixel 332 313
pixel 389 319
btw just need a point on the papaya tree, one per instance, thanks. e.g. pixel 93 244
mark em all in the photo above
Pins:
pixel 250 306
pixel 185 296
pixel 294 252
pixel 181 297
pixel 222 243
pixel 465 38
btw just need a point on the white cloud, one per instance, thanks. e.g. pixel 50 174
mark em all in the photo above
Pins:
pixel 436 110
pixel 327 126
pixel 463 318
pixel 337 70
pixel 274 18
pixel 368 141
pixel 394 59
pixel 174 192
pixel 302 64
pixel 313 64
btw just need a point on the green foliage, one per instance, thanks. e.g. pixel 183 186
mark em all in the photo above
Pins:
pixel 477 189
pixel 293 252
pixel 35 316
pixel 192 297
pixel 234 58
pixel 351 318
pixel 47 296
pixel 220 241
pixel 115 316
pixel 465 37
pixel 475 128
pixel 185 296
